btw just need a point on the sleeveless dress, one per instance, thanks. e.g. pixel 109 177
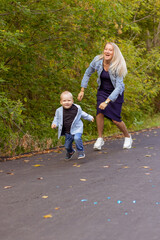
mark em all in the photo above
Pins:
pixel 113 109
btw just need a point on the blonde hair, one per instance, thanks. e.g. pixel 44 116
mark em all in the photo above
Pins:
pixel 118 63
pixel 66 93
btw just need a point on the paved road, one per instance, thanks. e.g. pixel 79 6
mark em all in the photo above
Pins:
pixel 113 194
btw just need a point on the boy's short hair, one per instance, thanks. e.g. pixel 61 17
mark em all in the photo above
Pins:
pixel 66 93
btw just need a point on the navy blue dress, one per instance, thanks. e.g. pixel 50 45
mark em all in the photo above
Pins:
pixel 113 109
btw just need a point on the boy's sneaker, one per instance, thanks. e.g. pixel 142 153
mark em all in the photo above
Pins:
pixel 81 155
pixel 98 144
pixel 127 142
pixel 69 155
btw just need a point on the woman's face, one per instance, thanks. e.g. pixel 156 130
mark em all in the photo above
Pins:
pixel 108 52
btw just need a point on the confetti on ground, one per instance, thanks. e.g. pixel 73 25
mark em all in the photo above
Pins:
pixel 57 208
pixel 7 187
pixel 48 216
pixel 134 201
pixel 9 173
pixel 95 203
pixel 37 165
pixel 119 201
pixel 145 166
pixel 84 200
pixel 26 161
pixel 76 165
pixel 44 197
pixel 108 197
pixel 83 179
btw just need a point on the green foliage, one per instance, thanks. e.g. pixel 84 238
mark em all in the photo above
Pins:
pixel 46 47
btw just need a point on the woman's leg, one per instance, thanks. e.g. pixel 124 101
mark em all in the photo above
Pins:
pixel 128 139
pixel 100 124
pixel 122 127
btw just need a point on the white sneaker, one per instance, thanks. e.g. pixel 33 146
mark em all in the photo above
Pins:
pixel 128 142
pixel 98 144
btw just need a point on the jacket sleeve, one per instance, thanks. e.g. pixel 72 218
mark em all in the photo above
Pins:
pixel 91 69
pixel 86 116
pixel 118 89
pixel 55 120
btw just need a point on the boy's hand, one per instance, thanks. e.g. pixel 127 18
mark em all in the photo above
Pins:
pixel 92 119
pixel 53 125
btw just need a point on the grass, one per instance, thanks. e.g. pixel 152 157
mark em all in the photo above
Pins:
pixel 148 122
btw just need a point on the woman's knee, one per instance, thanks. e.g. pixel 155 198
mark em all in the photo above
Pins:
pixel 100 115
pixel 114 121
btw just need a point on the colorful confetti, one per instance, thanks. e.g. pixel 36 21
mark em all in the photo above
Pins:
pixel 48 216
pixel 44 197
pixel 37 165
pixel 83 179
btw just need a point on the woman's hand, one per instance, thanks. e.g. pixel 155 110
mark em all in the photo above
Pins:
pixel 103 105
pixel 80 96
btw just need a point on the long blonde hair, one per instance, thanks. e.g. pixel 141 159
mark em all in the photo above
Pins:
pixel 118 63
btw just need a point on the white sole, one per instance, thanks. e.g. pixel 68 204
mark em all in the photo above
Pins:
pixel 98 148
pixel 129 146
pixel 81 157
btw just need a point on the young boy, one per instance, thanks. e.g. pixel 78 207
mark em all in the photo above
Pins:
pixel 68 120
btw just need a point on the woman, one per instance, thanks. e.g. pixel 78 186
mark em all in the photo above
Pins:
pixel 111 69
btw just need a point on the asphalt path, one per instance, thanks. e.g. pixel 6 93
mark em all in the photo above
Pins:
pixel 113 194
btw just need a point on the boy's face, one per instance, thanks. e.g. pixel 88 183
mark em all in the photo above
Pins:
pixel 66 101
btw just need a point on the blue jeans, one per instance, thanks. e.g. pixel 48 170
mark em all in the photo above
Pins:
pixel 78 141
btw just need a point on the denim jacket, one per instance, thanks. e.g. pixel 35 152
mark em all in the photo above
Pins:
pixel 77 124
pixel 117 81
